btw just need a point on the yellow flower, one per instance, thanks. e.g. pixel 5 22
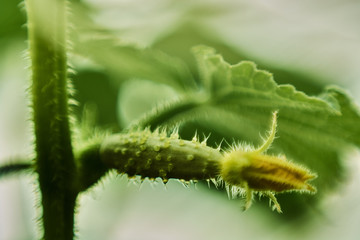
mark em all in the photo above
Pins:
pixel 253 171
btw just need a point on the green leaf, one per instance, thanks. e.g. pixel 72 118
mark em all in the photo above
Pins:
pixel 214 72
pixel 238 103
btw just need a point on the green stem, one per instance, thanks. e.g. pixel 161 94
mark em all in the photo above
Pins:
pixel 168 114
pixel 12 168
pixel 55 161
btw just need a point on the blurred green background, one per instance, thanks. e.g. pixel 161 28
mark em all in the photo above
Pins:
pixel 307 44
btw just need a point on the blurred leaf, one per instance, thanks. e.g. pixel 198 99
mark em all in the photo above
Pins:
pixel 127 62
pixel 238 102
pixel 11 20
pixel 184 37
pixel 95 90
pixel 138 96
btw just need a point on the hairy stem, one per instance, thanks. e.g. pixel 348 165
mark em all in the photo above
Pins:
pixel 54 161
pixel 14 168
pixel 169 114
